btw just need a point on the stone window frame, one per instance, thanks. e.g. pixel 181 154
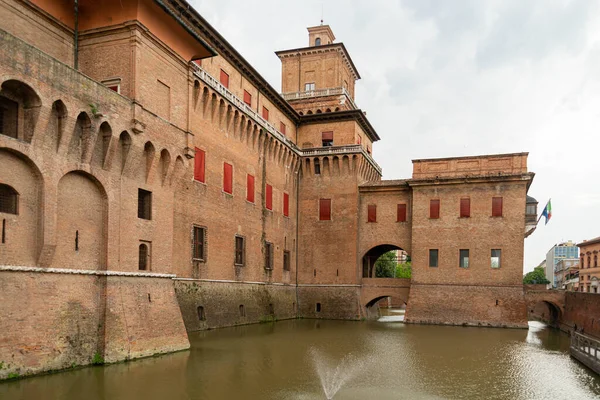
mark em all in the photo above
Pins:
pixel 461 258
pixel 499 258
pixel 437 258
pixel 148 264
pixel 204 257
pixel 113 83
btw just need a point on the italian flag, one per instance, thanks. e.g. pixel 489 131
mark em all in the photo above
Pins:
pixel 547 213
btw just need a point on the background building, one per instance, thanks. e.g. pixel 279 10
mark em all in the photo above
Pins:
pixel 564 271
pixel 555 254
pixel 589 270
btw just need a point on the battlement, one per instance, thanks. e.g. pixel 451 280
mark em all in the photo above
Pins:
pixel 485 165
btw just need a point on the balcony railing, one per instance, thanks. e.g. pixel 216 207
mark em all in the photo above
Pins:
pixel 237 102
pixel 320 93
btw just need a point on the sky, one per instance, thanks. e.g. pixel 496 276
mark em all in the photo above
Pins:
pixel 455 78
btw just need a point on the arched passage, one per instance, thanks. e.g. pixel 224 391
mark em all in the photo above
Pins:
pixel 81 222
pixel 545 311
pixel 388 255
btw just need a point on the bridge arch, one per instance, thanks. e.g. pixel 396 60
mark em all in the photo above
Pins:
pixel 374 253
pixel 545 305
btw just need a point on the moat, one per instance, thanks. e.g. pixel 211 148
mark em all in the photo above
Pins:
pixel 384 360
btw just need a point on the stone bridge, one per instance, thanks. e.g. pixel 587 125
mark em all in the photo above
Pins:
pixel 375 289
pixel 548 305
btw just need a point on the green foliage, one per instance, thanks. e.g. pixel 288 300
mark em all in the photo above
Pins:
pixel 97 359
pixel 13 375
pixel 385 265
pixel 404 270
pixel 537 276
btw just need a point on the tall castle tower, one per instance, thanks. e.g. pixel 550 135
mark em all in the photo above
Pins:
pixel 319 78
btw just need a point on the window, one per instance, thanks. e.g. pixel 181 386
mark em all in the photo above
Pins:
pixel 144 204
pixel 496 206
pixel 496 258
pixel 433 258
pixel 113 84
pixel 372 213
pixel 327 138
pixel 269 198
pixel 434 209
pixel 242 311
pixel 463 258
pixel 265 113
pixel 144 257
pixel 199 243
pixel 401 213
pixel 268 255
pixel 201 315
pixel 199 165
pixel 465 208
pixel 595 260
pixel 309 86
pixel 531 209
pixel 282 128
pixel 250 188
pixel 324 209
pixel 247 98
pixel 317 41
pixel 317 167
pixel 224 79
pixel 286 204
pixel 9 116
pixel 359 140
pixel 240 251
pixel 318 307
pixel 228 178
pixel 286 260
pixel 9 200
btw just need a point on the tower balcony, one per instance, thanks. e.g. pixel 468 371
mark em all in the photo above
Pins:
pixel 313 94
pixel 341 150
pixel 531 216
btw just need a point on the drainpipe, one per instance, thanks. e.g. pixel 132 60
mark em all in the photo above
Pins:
pixel 297 231
pixel 76 36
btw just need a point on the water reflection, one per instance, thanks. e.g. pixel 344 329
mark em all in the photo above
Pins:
pixel 390 360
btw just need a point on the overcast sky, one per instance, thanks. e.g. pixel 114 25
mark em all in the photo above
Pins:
pixel 454 78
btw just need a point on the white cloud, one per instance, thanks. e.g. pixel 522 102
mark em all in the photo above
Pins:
pixel 450 78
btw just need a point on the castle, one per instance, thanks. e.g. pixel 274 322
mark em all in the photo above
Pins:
pixel 152 182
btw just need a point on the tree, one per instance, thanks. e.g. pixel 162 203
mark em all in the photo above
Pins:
pixel 537 276
pixel 404 270
pixel 385 265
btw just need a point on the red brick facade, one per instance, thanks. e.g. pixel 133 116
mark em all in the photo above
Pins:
pixel 126 153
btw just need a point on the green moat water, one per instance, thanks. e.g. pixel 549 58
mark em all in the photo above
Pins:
pixel 304 359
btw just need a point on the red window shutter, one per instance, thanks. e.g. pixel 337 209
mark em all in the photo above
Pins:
pixel 434 209
pixel 372 213
pixel 465 208
pixel 265 113
pixel 199 161
pixel 269 197
pixel 359 140
pixel 198 62
pixel 286 204
pixel 227 178
pixel 247 98
pixel 224 79
pixel 324 209
pixel 250 188
pixel 401 213
pixel 496 206
pixel 282 127
pixel 327 135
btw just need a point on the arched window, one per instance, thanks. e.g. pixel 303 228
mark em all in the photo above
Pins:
pixel 317 41
pixel 143 261
pixel 9 200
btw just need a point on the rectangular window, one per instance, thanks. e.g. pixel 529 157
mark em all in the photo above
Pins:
pixel 199 165
pixel 463 261
pixel 282 128
pixel 247 98
pixel 327 138
pixel 269 197
pixel 265 113
pixel 268 255
pixel 224 79
pixel 113 84
pixel 401 213
pixel 359 140
pixel 240 251
pixel 465 208
pixel 286 260
pixel 309 86
pixel 324 209
pixel 433 258
pixel 496 258
pixel 496 206
pixel 434 209
pixel 199 243
pixel 286 204
pixel 144 204
pixel 372 213
pixel 250 188
pixel 228 178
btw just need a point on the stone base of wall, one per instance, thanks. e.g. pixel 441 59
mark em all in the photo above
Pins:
pixel 583 310
pixel 467 305
pixel 222 302
pixel 53 321
pixel 336 302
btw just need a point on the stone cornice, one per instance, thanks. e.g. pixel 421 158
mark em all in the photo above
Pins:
pixel 526 177
pixel 348 115
pixel 18 268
